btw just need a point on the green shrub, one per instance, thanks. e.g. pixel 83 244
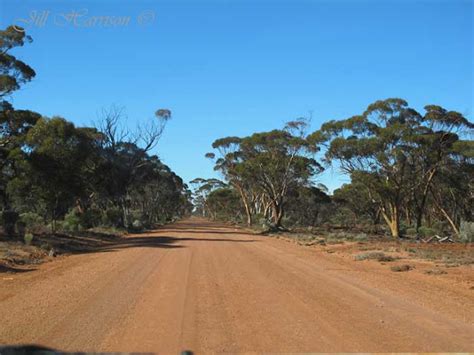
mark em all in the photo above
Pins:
pixel 343 216
pixel 410 231
pixel 335 238
pixel 72 221
pixel 427 232
pixel 361 237
pixel 28 238
pixel 439 226
pixel 263 222
pixel 32 221
pixel 466 232
pixel 403 228
pixel 112 217
pixel 90 218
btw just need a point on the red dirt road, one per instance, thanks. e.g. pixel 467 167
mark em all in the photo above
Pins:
pixel 207 288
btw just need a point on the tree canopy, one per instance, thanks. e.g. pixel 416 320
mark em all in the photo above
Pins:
pixel 104 175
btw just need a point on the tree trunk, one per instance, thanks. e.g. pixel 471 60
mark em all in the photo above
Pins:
pixel 421 207
pixel 249 215
pixel 246 206
pixel 393 221
pixel 277 214
pixel 394 229
pixel 448 218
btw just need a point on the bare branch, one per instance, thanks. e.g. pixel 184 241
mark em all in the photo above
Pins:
pixel 110 124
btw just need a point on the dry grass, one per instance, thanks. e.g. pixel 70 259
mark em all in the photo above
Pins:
pixel 450 256
pixel 401 268
pixel 435 272
pixel 375 255
pixel 428 258
pixel 13 254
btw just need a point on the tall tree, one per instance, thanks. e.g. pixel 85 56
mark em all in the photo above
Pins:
pixel 13 72
pixel 61 161
pixel 270 163
pixel 125 154
pixel 394 151
pixel 13 124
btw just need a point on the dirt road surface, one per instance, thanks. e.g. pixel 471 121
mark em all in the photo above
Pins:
pixel 203 287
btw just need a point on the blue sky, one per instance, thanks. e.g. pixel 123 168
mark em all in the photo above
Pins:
pixel 237 67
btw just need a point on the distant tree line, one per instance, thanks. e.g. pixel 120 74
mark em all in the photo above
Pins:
pixel 54 173
pixel 411 173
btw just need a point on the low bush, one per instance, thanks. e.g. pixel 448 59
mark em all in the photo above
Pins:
pixel 112 217
pixel 466 232
pixel 92 217
pixel 72 221
pixel 28 238
pixel 361 237
pixel 401 268
pixel 375 255
pixel 33 222
pixel 435 272
pixel 427 232
pixel 263 222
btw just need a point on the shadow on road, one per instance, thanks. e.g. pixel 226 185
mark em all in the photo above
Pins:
pixel 88 242
pixel 152 241
pixel 42 350
pixel 204 231
pixel 13 270
pixel 203 227
pixel 86 245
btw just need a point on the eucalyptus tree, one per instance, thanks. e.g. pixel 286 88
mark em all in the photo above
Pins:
pixel 268 163
pixel 394 151
pixel 159 195
pixel 278 161
pixel 358 198
pixel 452 190
pixel 61 163
pixel 14 126
pixel 13 71
pixel 125 154
pixel 434 147
pixel 227 163
pixel 305 204
pixel 224 203
pixel 13 123
pixel 202 190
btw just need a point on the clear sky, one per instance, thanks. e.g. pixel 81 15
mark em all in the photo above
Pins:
pixel 237 67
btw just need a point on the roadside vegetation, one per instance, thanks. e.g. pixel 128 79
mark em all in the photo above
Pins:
pixel 411 175
pixel 57 178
